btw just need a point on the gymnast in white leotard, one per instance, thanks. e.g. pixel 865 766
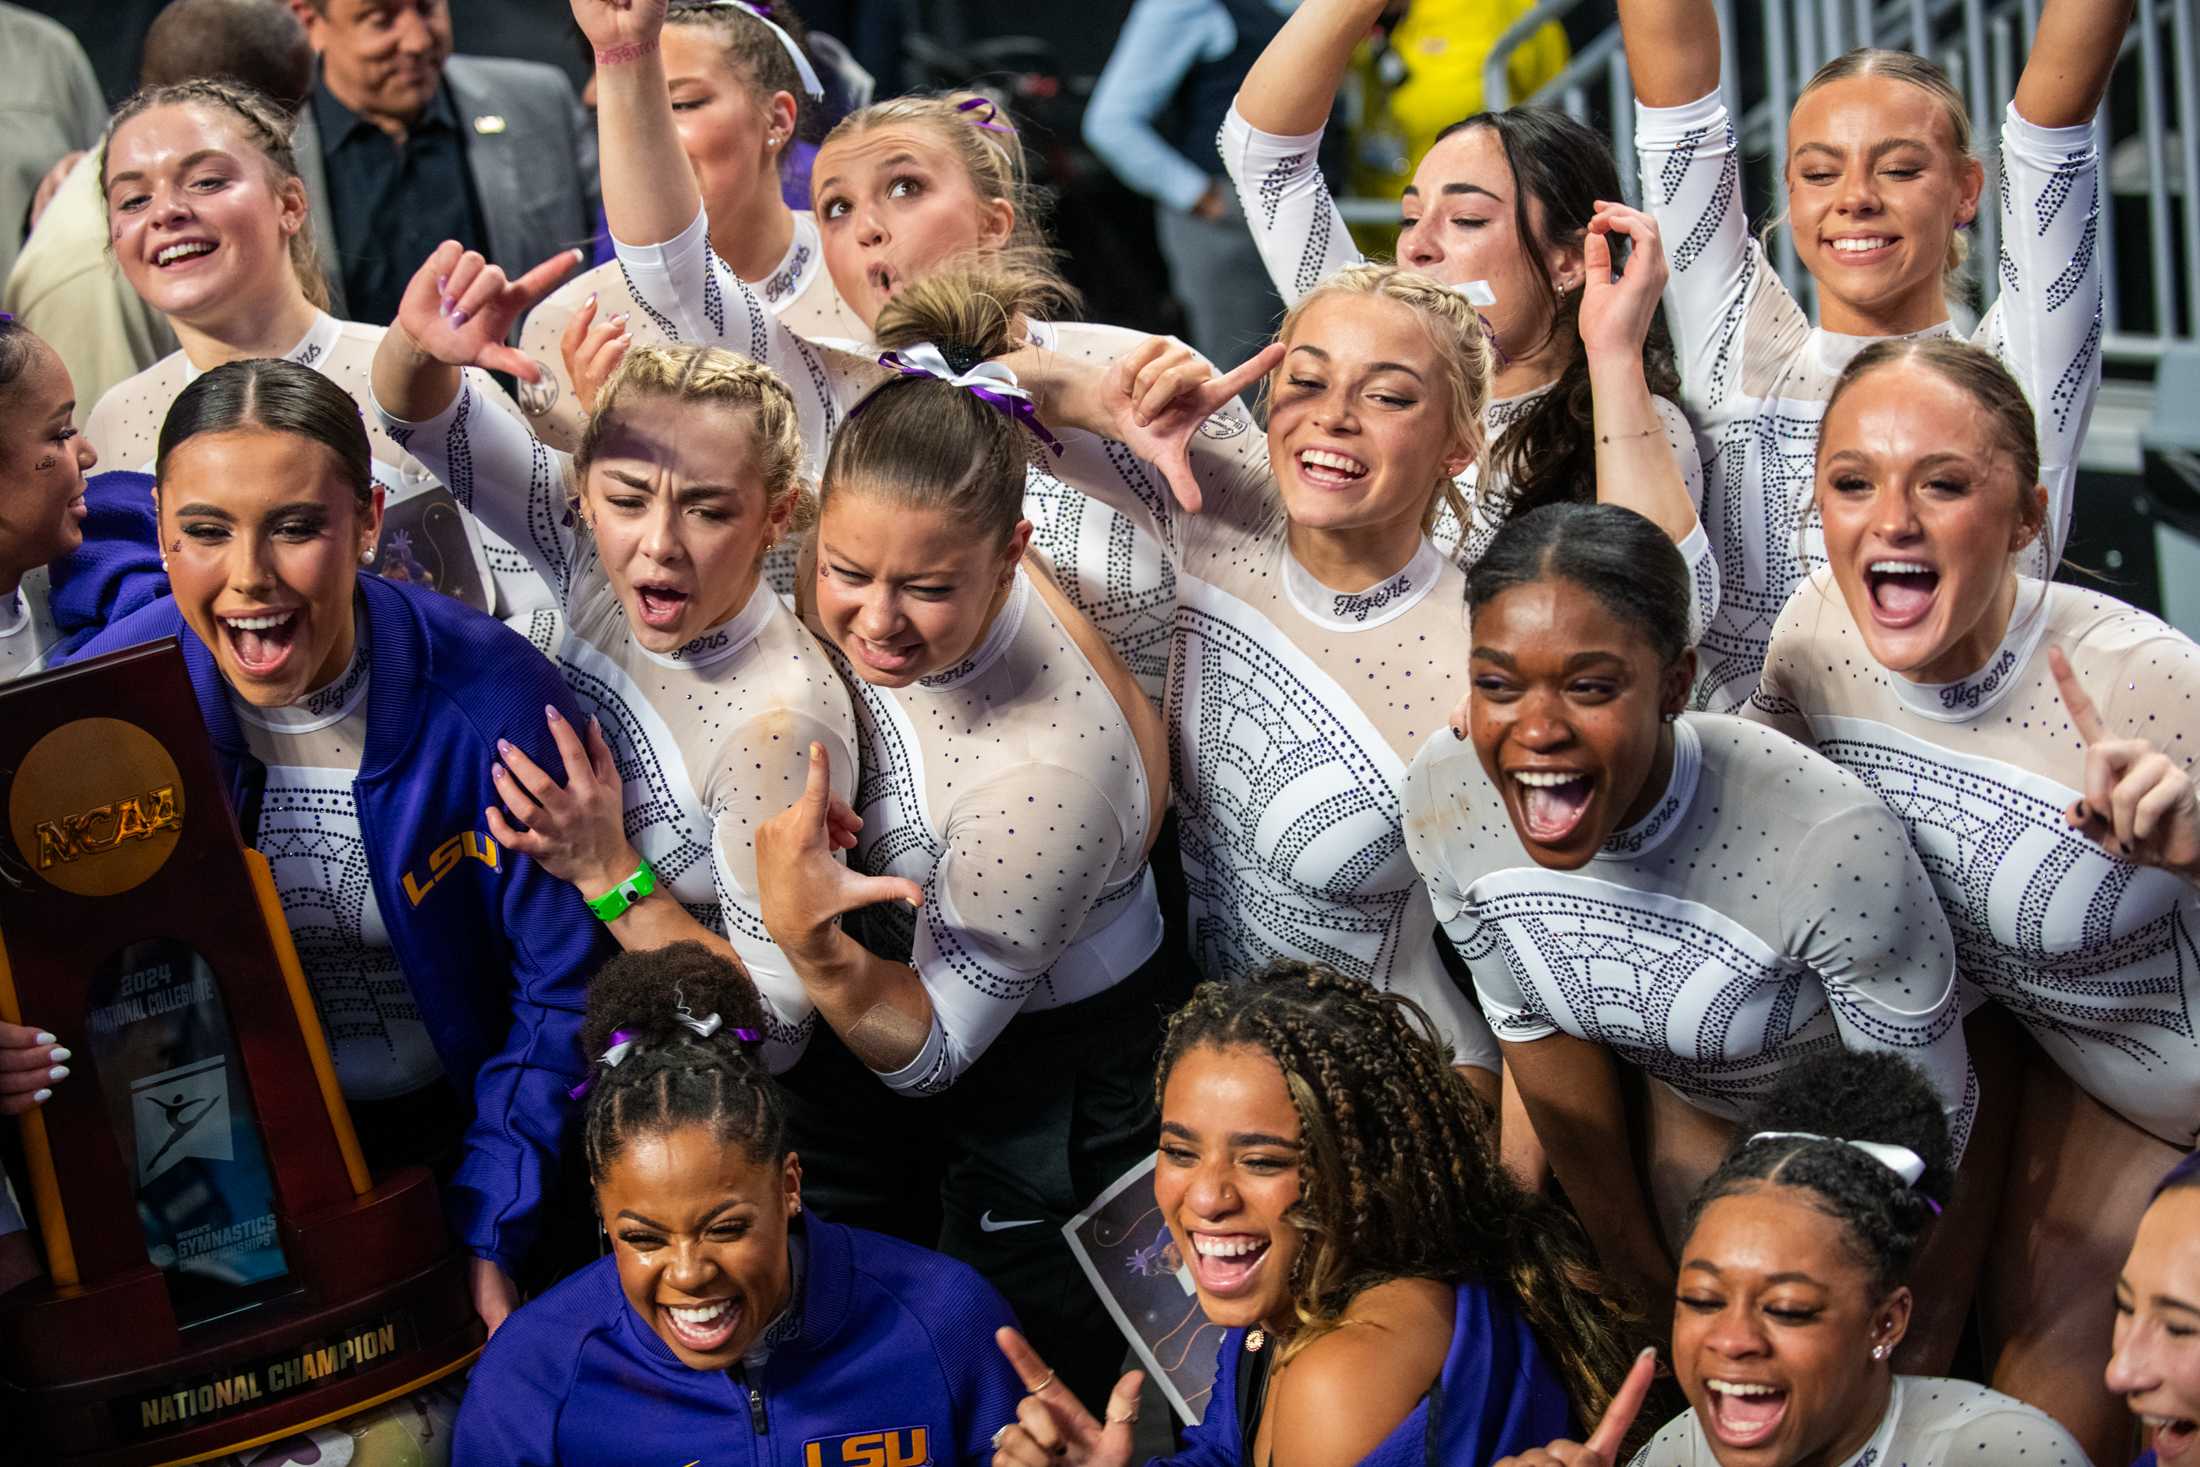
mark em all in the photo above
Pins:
pixel 740 101
pixel 1684 894
pixel 1880 179
pixel 1923 660
pixel 899 187
pixel 1504 198
pixel 209 226
pixel 1001 945
pixel 706 691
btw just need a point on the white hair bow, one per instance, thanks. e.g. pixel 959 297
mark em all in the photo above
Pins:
pixel 1900 1160
pixel 802 67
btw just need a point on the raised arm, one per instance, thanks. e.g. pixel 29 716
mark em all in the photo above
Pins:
pixel 1294 83
pixel 1635 465
pixel 1672 49
pixel 2066 74
pixel 454 315
pixel 649 192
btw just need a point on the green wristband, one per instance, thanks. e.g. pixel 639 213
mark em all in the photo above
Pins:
pixel 613 904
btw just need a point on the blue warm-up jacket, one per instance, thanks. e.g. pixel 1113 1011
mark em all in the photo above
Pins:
pixel 892 1365
pixel 498 951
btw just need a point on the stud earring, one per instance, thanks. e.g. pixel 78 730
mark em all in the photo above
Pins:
pixel 1879 1352
pixel 366 556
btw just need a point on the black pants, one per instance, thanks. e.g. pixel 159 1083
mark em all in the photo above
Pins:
pixel 1058 1107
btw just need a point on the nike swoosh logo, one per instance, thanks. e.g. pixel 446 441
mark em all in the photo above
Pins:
pixel 987 1224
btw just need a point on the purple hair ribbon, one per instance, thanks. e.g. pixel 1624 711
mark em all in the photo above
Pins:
pixel 991 121
pixel 989 382
pixel 622 1044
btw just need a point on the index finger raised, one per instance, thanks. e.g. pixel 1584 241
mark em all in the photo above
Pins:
pixel 2082 712
pixel 1626 1402
pixel 1035 1374
pixel 1247 372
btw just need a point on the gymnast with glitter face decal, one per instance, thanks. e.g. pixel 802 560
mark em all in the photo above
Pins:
pixel 355 721
pixel 1663 911
pixel 1002 942
pixel 1880 183
pixel 2061 832
pixel 1795 1294
pixel 740 97
pixel 1508 200
pixel 208 224
pixel 705 691
pixel 900 188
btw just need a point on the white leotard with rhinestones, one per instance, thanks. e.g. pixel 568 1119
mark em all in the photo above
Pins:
pixel 1010 787
pixel 309 831
pixel 1767 908
pixel 711 739
pixel 1122 584
pixel 1292 712
pixel 1930 1422
pixel 2099 958
pixel 27 630
pixel 125 429
pixel 1755 374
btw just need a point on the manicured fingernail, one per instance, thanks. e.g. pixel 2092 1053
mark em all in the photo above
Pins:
pixel 504 748
pixel 59 1054
pixel 591 295
pixel 443 283
pixel 58 1072
pixel 496 771
pixel 40 1097
pixel 551 713
pixel 621 318
pixel 458 319
pixel 43 1038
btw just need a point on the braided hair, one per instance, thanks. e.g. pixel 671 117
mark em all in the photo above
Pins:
pixel 263 124
pixel 1854 1096
pixel 1400 1176
pixel 672 1076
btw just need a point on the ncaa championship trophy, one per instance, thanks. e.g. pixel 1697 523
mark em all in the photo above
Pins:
pixel 222 1270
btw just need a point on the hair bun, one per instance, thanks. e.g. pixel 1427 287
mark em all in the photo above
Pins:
pixel 650 996
pixel 1863 1095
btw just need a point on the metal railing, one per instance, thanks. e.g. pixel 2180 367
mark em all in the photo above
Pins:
pixel 2150 152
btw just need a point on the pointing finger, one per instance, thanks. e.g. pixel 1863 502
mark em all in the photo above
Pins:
pixel 544 278
pixel 1255 367
pixel 2083 715
pixel 1620 1415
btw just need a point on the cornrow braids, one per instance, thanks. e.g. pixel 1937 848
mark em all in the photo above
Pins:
pixel 265 125
pixel 1400 1177
pixel 672 1076
pixel 1845 1096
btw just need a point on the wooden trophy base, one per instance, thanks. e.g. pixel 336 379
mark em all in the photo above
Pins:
pixel 81 1391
